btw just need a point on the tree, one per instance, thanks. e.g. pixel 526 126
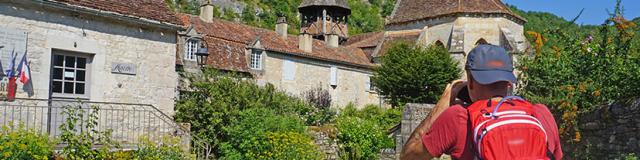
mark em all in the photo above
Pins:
pixel 414 74
pixel 184 6
pixel 364 18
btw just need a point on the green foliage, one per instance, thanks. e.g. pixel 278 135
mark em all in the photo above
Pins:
pixel 80 135
pixel 184 6
pixel 235 116
pixel 575 74
pixel 167 148
pixel 362 133
pixel 414 74
pixel 629 156
pixel 16 143
pixel 364 17
pixel 291 145
pixel 229 15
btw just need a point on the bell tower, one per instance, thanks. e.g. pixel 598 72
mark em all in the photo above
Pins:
pixel 325 19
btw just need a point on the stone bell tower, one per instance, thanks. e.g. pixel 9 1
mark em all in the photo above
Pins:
pixel 325 20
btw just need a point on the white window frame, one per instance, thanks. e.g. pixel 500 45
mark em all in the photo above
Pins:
pixel 87 76
pixel 370 86
pixel 255 59
pixel 333 77
pixel 190 49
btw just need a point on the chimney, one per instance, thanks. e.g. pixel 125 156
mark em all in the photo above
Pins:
pixel 282 27
pixel 332 40
pixel 206 11
pixel 306 42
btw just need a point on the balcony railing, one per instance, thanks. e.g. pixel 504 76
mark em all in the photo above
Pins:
pixel 127 122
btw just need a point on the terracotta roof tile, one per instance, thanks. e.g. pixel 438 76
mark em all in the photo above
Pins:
pixel 389 40
pixel 233 38
pixel 150 9
pixel 365 40
pixel 412 10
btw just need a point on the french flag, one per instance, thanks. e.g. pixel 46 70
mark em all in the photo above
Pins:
pixel 24 75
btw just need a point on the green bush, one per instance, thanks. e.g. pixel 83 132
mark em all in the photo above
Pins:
pixel 16 142
pixel 362 133
pixel 235 115
pixel 414 74
pixel 167 148
pixel 291 145
pixel 576 74
pixel 80 136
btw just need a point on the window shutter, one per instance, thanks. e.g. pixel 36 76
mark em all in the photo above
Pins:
pixel 334 76
pixel 367 84
pixel 288 70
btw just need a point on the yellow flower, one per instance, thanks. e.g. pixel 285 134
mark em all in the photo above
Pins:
pixel 596 93
pixel 7 154
pixel 578 137
pixel 22 146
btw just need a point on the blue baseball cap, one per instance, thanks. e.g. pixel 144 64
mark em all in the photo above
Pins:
pixel 489 64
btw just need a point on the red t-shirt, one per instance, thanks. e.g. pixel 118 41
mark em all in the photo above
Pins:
pixel 451 133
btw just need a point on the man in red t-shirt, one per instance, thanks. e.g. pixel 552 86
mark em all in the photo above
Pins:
pixel 447 130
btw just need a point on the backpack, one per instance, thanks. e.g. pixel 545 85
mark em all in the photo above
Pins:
pixel 507 130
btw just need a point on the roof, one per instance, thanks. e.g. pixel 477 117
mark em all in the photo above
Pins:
pixel 156 10
pixel 370 39
pixel 389 40
pixel 412 10
pixel 227 42
pixel 332 3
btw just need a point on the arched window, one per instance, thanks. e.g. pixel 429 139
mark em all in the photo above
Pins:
pixel 481 41
pixel 439 44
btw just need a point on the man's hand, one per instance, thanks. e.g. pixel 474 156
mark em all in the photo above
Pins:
pixel 413 149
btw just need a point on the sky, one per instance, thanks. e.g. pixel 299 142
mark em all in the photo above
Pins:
pixel 595 11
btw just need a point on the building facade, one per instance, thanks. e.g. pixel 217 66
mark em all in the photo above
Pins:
pixel 120 51
pixel 291 63
pixel 456 25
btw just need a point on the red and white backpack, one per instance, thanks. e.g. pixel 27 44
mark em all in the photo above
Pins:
pixel 506 129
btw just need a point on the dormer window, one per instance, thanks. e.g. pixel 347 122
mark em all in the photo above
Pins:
pixel 256 59
pixel 190 49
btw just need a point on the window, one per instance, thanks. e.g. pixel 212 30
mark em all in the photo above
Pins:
pixel 333 81
pixel 370 86
pixel 190 49
pixel 70 75
pixel 256 59
pixel 481 41
pixel 288 70
pixel 439 43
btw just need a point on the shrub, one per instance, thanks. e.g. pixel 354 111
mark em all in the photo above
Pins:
pixel 321 100
pixel 248 134
pixel 167 148
pixel 16 142
pixel 215 102
pixel 292 145
pixel 81 138
pixel 235 115
pixel 414 74
pixel 362 133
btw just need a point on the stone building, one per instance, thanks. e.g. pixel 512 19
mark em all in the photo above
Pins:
pixel 294 64
pixel 108 51
pixel 455 25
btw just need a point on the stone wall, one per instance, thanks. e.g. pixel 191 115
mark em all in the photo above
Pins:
pixel 609 131
pixel 106 41
pixel 412 115
pixel 326 145
pixel 308 74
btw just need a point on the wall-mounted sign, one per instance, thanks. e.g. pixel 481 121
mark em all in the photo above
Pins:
pixel 123 68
